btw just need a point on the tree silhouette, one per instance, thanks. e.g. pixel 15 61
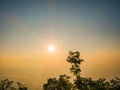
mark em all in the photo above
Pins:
pixel 7 85
pixel 80 83
pixel 21 86
pixel 51 84
pixel 115 84
pixel 63 83
pixel 74 59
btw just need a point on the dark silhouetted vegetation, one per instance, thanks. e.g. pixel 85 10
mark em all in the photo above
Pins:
pixel 64 83
pixel 8 85
pixel 80 83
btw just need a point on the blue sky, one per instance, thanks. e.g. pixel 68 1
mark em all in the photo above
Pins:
pixel 27 27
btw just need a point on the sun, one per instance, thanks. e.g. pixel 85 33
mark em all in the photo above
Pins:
pixel 51 48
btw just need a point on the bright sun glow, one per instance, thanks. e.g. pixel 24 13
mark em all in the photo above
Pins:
pixel 51 48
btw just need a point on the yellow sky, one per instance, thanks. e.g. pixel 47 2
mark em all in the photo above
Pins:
pixel 27 28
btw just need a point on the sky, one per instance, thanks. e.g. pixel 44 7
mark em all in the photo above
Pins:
pixel 28 27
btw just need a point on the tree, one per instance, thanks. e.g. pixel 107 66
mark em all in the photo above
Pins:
pixel 74 59
pixel 62 83
pixel 115 84
pixel 7 85
pixel 80 83
pixel 51 84
pixel 21 86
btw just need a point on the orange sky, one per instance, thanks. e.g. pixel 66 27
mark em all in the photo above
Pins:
pixel 28 28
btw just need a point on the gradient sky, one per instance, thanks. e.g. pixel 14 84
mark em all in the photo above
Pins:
pixel 28 27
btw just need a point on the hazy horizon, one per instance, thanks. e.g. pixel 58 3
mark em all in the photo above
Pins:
pixel 27 28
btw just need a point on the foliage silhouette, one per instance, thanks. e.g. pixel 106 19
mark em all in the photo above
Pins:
pixel 74 59
pixel 80 83
pixel 7 85
pixel 115 84
pixel 21 86
pixel 63 83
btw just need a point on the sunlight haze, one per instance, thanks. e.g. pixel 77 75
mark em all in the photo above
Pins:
pixel 91 27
